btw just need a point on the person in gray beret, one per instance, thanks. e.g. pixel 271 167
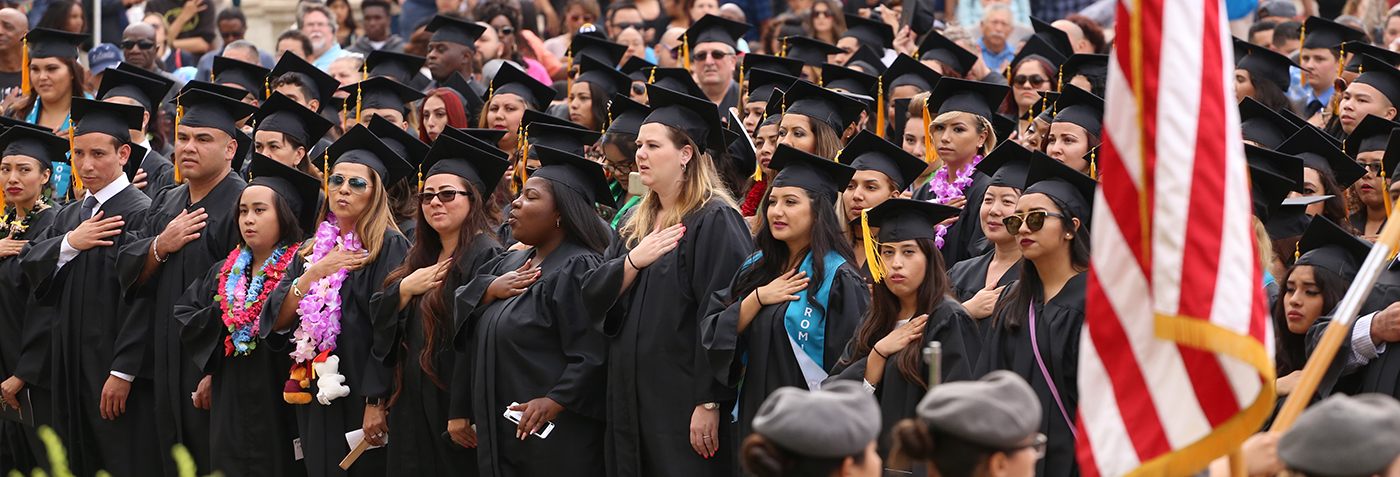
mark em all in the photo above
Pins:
pixel 984 428
pixel 801 433
pixel 1345 436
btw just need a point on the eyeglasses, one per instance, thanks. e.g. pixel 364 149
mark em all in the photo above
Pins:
pixel 142 44
pixel 824 13
pixel 1374 167
pixel 576 17
pixel 357 185
pixel 1038 444
pixel 506 30
pixel 1035 80
pixel 623 26
pixel 445 196
pixel 1034 221
pixel 717 55
pixel 232 34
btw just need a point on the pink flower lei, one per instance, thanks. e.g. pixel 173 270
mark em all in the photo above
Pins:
pixel 944 192
pixel 320 308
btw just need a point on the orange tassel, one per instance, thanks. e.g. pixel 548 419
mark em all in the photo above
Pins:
pixel 880 106
pixel 930 154
pixel 77 181
pixel 24 67
pixel 179 114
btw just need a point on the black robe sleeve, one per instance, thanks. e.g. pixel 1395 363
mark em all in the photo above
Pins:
pixel 580 387
pixel 720 337
pixel 201 321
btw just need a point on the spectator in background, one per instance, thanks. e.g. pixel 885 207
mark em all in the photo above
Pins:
pixel 1277 11
pixel 669 48
pixel 505 18
pixel 1058 9
pixel 376 36
pixel 319 24
pixel 191 24
pixel 233 26
pixel 1369 13
pixel 243 50
pixel 13 26
pixel 101 58
pixel 577 13
pixel 347 32
pixel 346 70
pixel 979 71
pixel 1288 37
pixel 996 27
pixel 969 12
pixel 1262 34
pixel 697 9
pixel 826 23
pixel 1354 23
pixel 171 57
pixel 622 15
pixel 1391 31
pixel 1085 34
pixel 636 46
pixel 784 25
pixel 295 42
pixel 139 47
pixel 64 15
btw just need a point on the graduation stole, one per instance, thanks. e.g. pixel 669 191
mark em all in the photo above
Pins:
pixel 805 323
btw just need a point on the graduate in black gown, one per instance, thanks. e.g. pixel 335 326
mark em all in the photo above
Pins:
pixel 189 228
pixel 1367 144
pixel 148 92
pixel 540 129
pixel 25 173
pixel 413 317
pixel 1052 220
pixel 883 171
pixel 287 131
pixel 402 196
pixel 787 315
pixel 310 87
pixel 98 348
pixel 1075 129
pixel 682 242
pixel 252 426
pixel 535 353
pixel 910 308
pixel 978 281
pixel 354 248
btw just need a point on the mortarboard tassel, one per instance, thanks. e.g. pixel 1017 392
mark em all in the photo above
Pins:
pixel 267 86
pixel 73 171
pixel 930 154
pixel 1094 164
pixel 325 177
pixel 880 105
pixel 872 256
pixel 24 67
pixel 1385 188
pixel 359 99
pixel 685 50
pixel 1296 252
pixel 179 115
pixel 743 89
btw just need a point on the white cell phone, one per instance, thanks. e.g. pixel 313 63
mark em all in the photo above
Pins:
pixel 514 416
pixel 634 184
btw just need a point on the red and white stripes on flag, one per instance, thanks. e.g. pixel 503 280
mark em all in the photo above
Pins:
pixel 1175 365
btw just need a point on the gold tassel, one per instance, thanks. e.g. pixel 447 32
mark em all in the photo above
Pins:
pixel 1385 188
pixel 1094 164
pixel 880 114
pixel 685 50
pixel 930 154
pixel 1341 59
pixel 325 177
pixel 77 181
pixel 359 99
pixel 872 255
pixel 743 89
pixel 24 67
pixel 179 114
pixel 569 75
pixel 1296 252
pixel 267 86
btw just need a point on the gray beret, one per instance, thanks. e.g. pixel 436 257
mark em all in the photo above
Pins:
pixel 838 421
pixel 999 411
pixel 1344 436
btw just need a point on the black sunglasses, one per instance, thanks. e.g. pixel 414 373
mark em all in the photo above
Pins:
pixel 142 44
pixel 717 55
pixel 357 185
pixel 1035 80
pixel 623 26
pixel 506 30
pixel 445 196
pixel 1034 221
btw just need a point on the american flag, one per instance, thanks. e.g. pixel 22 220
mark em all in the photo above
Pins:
pixel 1175 364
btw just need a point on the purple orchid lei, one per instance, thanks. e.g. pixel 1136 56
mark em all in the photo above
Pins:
pixel 320 308
pixel 944 192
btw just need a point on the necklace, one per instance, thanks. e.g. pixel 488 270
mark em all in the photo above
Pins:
pixel 241 297
pixel 944 191
pixel 320 308
pixel 15 226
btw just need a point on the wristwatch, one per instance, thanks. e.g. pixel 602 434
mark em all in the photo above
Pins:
pixel 374 401
pixel 710 406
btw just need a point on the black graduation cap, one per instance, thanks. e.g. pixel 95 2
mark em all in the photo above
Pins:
pixel 301 191
pixel 1326 245
pixel 252 78
pixel 455 30
pixel 230 92
pixel 676 79
pixel 600 49
pixel 869 152
pixel 605 76
pixel 1323 155
pixel 901 116
pixel 1038 47
pixel 1262 125
pixel 1007 165
pixel 637 68
pixel 1005 127
pixel 321 84
pixel 715 29
pixel 1091 66
pixel 1380 75
pixel 1283 165
pixel 763 83
pixel 113 119
pixel 575 172
pixel 754 61
pixel 939 48
pixel 49 43
pixel 1322 33
pixel 1371 134
pixel 1263 63
pixel 482 139
pixel 1045 175
pixel 279 113
pixel 564 138
pixel 1045 106
pixel 1053 36
pixel 405 144
pixel 1081 108
pixel 1292 219
pixel 512 80
pixel 852 81
pixel 952 94
pixel 867 60
pixel 1268 191
pixel 739 147
pixel 380 93
pixel 1360 48
pixel 359 146
pixel 627 115
pixel 243 152
pixel 908 71
pixel 531 117
pixel 1392 154
pixel 471 102
pixel 907 219
pixel 35 143
pixel 399 66
pixel 873 33
pixel 697 117
pixel 832 108
pixel 148 74
pixel 811 172
pixel 450 155
pixel 206 109
pixel 812 52
pixel 146 91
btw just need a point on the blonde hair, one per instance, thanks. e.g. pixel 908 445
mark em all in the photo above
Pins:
pixel 370 225
pixel 1265 244
pixel 700 184
pixel 981 123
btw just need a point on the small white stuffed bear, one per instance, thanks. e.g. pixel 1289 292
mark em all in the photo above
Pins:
pixel 330 383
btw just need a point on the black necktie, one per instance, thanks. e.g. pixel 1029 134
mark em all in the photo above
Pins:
pixel 89 207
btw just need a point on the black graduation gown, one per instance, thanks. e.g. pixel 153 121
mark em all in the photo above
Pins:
pixel 322 428
pixel 252 426
pixel 771 363
pixel 964 238
pixel 160 173
pixel 92 335
pixel 1057 329
pixel 24 348
pixel 176 376
pixel 657 371
pixel 419 415
pixel 970 276
pixel 1380 375
pixel 408 227
pixel 947 324
pixel 534 345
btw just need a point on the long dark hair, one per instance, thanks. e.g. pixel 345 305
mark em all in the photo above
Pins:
pixel 1335 208
pixel 600 106
pixel 826 238
pixel 1008 311
pixel 289 229
pixel 1009 106
pixel 1270 95
pixel 78 85
pixel 579 219
pixel 880 318
pixel 1290 351
pixel 953 457
pixel 763 458
pixel 55 16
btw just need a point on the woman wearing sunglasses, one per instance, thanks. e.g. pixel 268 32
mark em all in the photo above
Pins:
pixel 1367 143
pixel 535 356
pixel 413 316
pixel 1036 324
pixel 978 281
pixel 1074 130
pixel 354 247
pixel 826 21
pixel 1032 70
pixel 795 304
pixel 949 435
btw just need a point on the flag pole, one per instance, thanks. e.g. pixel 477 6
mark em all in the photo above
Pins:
pixel 1339 329
pixel 1237 463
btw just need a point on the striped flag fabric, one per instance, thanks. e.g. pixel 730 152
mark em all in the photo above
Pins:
pixel 1175 365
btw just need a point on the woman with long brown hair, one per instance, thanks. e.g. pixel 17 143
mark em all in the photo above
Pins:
pixel 825 21
pixel 52 78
